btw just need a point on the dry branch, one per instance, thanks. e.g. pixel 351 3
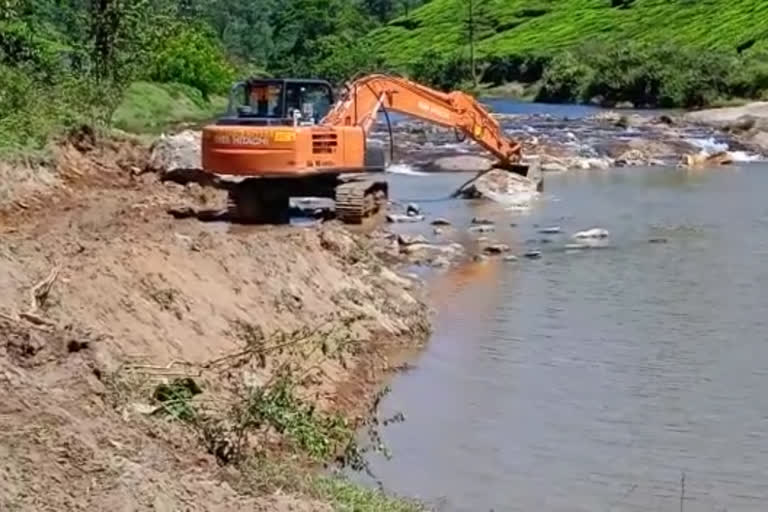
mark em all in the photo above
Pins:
pixel 39 294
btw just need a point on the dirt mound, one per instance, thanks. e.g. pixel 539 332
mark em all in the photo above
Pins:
pixel 79 161
pixel 134 288
pixel 64 447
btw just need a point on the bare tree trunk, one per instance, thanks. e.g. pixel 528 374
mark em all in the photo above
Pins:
pixel 472 64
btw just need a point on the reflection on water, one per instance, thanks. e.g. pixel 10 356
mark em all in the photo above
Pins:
pixel 591 381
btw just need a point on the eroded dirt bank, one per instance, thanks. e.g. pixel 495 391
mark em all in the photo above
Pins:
pixel 105 297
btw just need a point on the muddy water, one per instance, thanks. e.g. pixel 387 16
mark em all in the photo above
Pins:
pixel 593 380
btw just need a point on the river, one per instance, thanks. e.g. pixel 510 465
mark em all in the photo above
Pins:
pixel 594 380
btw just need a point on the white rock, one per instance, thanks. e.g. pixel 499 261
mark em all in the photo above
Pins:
pixel 176 152
pixel 593 233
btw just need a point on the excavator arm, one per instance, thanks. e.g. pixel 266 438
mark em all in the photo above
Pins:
pixel 367 95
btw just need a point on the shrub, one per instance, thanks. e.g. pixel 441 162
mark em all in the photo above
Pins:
pixel 32 109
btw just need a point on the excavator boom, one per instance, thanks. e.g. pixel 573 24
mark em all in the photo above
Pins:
pixel 368 95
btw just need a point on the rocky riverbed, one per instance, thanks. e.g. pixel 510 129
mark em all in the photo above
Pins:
pixel 601 141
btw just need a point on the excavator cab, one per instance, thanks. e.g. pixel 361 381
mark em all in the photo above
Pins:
pixel 280 102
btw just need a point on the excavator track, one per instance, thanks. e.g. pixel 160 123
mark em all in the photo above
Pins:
pixel 358 200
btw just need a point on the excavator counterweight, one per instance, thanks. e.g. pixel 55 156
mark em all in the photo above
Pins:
pixel 290 138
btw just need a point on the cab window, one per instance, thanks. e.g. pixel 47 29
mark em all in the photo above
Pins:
pixel 313 101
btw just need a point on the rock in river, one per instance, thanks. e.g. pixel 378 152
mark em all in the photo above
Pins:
pixel 441 222
pixel 412 209
pixel 461 163
pixel 503 187
pixel 706 160
pixel 533 255
pixel 410 240
pixel 482 228
pixel 496 249
pixel 594 233
pixel 396 218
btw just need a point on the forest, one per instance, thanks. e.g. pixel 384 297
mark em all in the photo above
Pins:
pixel 140 65
pixel 65 63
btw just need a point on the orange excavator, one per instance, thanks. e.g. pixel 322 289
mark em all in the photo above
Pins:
pixel 286 138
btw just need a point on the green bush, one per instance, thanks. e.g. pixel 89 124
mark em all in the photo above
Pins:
pixel 33 110
pixel 749 78
pixel 194 58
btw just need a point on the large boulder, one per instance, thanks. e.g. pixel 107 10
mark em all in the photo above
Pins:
pixel 460 163
pixel 724 117
pixel 503 187
pixel 179 152
pixel 758 141
pixel 700 160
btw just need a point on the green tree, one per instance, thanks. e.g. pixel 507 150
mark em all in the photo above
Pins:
pixel 195 58
pixel 383 10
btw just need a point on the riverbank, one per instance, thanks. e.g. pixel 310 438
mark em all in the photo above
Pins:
pixel 156 362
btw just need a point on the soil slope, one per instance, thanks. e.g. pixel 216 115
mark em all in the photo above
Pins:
pixel 97 278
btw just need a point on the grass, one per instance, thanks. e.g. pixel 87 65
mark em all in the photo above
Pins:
pixel 150 108
pixel 346 496
pixel 544 27
pixel 264 475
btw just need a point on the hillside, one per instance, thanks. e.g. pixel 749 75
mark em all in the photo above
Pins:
pixel 510 28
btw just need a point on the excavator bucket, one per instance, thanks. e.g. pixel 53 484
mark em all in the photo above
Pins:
pixel 516 168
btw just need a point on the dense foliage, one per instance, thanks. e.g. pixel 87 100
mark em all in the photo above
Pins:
pixel 673 52
pixel 650 76
pixel 66 62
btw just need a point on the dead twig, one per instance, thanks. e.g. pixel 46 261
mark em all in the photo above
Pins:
pixel 40 324
pixel 295 339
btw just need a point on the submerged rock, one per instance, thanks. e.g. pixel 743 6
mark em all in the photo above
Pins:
pixel 483 228
pixel 496 249
pixel 533 255
pixel 552 230
pixel 480 221
pixel 441 222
